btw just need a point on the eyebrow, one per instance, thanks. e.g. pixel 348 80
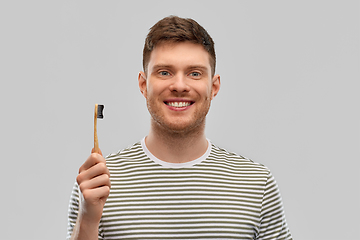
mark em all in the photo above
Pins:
pixel 190 67
pixel 200 67
pixel 157 66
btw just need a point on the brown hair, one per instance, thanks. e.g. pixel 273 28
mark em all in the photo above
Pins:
pixel 176 29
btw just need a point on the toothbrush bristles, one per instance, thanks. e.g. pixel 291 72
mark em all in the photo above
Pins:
pixel 100 111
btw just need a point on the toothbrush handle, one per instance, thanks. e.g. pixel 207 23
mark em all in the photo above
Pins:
pixel 96 141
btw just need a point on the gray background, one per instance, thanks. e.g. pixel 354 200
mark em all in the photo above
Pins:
pixel 289 99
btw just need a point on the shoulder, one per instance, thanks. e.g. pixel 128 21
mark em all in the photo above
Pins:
pixel 228 159
pixel 129 154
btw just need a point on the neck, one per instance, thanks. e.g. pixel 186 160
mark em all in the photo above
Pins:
pixel 176 147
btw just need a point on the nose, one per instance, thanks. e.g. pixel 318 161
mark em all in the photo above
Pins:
pixel 179 84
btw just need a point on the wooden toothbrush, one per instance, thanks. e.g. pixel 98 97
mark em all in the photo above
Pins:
pixel 98 114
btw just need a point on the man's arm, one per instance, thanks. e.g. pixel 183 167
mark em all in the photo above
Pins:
pixel 273 223
pixel 94 185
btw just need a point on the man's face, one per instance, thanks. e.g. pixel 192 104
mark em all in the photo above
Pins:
pixel 178 86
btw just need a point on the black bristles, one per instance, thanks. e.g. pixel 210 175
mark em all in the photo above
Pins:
pixel 100 111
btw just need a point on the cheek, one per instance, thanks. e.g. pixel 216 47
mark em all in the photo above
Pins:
pixel 158 91
pixel 149 91
pixel 205 91
pixel 153 95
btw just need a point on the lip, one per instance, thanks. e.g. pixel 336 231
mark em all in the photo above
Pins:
pixel 178 100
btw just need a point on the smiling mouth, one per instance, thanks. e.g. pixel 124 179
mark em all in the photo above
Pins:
pixel 178 104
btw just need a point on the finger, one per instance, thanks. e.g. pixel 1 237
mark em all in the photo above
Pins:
pixel 92 160
pixel 93 195
pixel 97 182
pixel 94 171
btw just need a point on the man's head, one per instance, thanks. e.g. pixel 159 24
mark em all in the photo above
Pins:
pixel 178 81
pixel 174 29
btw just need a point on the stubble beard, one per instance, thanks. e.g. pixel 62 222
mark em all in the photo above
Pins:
pixel 178 128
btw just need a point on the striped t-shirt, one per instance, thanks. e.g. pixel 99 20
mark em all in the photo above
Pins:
pixel 220 195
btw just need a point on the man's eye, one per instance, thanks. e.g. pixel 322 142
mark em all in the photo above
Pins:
pixel 195 74
pixel 164 73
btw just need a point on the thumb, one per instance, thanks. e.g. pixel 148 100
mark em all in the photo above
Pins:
pixel 99 151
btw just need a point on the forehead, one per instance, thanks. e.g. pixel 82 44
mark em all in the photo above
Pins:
pixel 179 55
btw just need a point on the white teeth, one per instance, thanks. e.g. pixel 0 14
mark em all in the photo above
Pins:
pixel 179 104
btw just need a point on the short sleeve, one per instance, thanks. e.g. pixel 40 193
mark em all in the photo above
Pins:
pixel 273 224
pixel 73 210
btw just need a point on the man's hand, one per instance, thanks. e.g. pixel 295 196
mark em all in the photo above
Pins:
pixel 94 184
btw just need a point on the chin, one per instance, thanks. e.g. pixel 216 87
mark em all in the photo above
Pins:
pixel 181 128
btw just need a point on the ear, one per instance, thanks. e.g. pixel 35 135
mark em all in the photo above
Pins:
pixel 142 83
pixel 215 86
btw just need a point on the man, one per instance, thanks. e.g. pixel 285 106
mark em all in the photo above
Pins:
pixel 175 183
